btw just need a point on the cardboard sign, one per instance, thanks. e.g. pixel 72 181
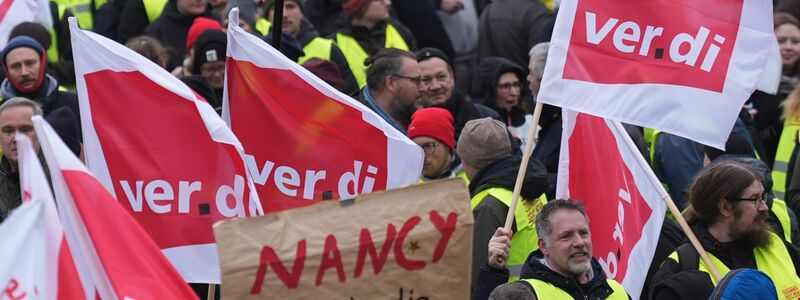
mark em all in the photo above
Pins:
pixel 409 243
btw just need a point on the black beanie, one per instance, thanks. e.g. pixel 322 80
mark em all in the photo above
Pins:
pixel 210 46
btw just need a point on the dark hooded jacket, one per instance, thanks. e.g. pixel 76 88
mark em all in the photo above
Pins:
pixel 172 28
pixel 484 86
pixel 491 212
pixel 462 111
pixel 47 96
pixel 671 281
pixel 534 268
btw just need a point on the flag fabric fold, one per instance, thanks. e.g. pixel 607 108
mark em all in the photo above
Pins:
pixel 306 141
pixel 601 167
pixel 161 151
pixel 35 261
pixel 121 259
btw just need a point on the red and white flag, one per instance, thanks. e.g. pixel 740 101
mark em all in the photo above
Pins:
pixel 35 261
pixel 306 141
pixel 685 67
pixel 601 167
pixel 13 12
pixel 162 151
pixel 119 256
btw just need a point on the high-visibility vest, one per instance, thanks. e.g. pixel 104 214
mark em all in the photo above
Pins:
pixel 52 52
pixel 356 55
pixel 82 10
pixel 546 290
pixel 786 146
pixel 525 239
pixel 773 261
pixel 153 8
pixel 317 48
pixel 550 4
pixel 782 212
pixel 263 26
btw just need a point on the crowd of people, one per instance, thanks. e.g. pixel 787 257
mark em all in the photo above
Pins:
pixel 460 78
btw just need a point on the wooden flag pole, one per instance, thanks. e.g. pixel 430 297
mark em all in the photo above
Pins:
pixel 692 238
pixel 212 291
pixel 523 167
pixel 674 209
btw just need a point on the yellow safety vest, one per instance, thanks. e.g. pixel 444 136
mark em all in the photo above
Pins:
pixel 546 290
pixel 782 212
pixel 153 8
pixel 263 25
pixel 550 4
pixel 773 261
pixel 356 55
pixel 525 240
pixel 82 9
pixel 317 48
pixel 52 52
pixel 786 146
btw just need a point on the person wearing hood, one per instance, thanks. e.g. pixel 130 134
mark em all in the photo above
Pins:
pixel 314 46
pixel 24 61
pixel 172 27
pixel 498 84
pixel 490 163
pixel 562 267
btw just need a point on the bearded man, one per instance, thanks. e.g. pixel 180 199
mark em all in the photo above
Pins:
pixel 728 215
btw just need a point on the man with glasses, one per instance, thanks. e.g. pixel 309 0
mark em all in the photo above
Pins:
pixel 208 60
pixel 728 214
pixel 432 129
pixel 393 83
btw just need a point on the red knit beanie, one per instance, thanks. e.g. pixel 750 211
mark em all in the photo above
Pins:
pixel 355 7
pixel 199 25
pixel 433 122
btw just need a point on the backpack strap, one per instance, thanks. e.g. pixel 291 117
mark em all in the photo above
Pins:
pixel 688 256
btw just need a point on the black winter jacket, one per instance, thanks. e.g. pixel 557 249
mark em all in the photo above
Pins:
pixel 534 268
pixel 172 28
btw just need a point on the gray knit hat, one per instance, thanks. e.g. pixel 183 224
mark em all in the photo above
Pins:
pixel 483 141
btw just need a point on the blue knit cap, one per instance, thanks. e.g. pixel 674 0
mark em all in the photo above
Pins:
pixel 22 41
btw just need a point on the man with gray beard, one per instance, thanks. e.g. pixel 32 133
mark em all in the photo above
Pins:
pixel 562 268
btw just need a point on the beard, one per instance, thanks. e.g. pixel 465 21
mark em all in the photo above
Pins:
pixel 757 235
pixel 404 112
pixel 579 268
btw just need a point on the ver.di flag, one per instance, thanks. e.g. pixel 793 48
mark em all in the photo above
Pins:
pixel 685 67
pixel 35 261
pixel 305 141
pixel 122 260
pixel 161 151
pixel 13 12
pixel 601 167
pixel 61 278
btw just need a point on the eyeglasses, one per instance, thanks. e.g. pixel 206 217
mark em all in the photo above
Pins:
pixel 416 80
pixel 509 85
pixel 756 201
pixel 430 148
pixel 210 68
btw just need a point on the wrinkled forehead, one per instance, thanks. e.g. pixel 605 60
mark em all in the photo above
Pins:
pixel 567 220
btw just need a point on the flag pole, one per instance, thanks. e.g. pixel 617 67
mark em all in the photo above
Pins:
pixel 523 167
pixel 277 24
pixel 692 238
pixel 212 291
pixel 672 207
